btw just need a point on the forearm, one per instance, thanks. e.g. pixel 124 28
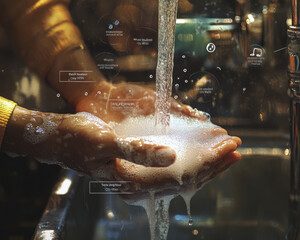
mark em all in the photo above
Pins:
pixel 43 33
pixel 40 31
pixel 71 61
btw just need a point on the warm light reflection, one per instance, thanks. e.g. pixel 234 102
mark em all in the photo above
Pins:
pixel 64 187
pixel 179 21
pixel 250 17
pixel 47 235
pixel 110 214
pixel 287 152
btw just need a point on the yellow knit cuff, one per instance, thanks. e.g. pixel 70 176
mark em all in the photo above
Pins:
pixel 6 109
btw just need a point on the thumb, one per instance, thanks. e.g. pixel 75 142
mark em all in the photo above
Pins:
pixel 145 152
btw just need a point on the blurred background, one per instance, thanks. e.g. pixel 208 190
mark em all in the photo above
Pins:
pixel 230 61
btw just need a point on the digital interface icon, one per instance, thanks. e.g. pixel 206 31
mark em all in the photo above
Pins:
pixel 256 52
pixel 256 55
pixel 210 47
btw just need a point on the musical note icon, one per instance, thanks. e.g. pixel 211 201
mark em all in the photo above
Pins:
pixel 256 52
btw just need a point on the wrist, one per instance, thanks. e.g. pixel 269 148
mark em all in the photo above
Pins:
pixel 6 109
pixel 27 128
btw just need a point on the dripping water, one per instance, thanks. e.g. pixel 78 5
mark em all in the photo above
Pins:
pixel 187 197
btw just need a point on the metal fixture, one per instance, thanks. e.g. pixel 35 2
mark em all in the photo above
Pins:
pixel 294 84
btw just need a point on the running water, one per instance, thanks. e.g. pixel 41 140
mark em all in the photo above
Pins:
pixel 167 14
pixel 158 209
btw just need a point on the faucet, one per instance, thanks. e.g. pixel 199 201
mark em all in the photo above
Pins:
pixel 294 85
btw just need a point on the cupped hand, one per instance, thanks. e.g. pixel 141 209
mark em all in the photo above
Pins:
pixel 85 143
pixel 217 153
pixel 126 100
pixel 119 101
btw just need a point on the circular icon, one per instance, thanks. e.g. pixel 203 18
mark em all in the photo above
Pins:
pixel 108 64
pixel 256 57
pixel 210 47
pixel 205 87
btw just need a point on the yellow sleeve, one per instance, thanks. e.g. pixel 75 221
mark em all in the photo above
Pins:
pixel 6 109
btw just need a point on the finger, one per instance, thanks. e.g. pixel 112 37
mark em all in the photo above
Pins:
pixel 222 165
pixel 237 140
pixel 226 146
pixel 145 153
pixel 220 150
pixel 188 111
pixel 225 163
pixel 218 131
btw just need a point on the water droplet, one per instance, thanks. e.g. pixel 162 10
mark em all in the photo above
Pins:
pixel 28 126
pixel 175 97
pixel 207 115
pixel 99 92
pixel 186 81
pixel 176 86
pixel 184 70
pixel 183 56
pixel 86 93
pixel 150 76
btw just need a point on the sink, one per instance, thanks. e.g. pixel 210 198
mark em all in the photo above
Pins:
pixel 248 201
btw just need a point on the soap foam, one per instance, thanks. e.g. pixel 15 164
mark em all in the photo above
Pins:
pixel 193 140
pixel 38 133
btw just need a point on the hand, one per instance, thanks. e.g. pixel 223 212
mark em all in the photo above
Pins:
pixel 81 142
pixel 124 99
pixel 216 154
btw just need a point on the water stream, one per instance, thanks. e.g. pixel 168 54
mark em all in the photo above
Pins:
pixel 158 208
pixel 167 14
